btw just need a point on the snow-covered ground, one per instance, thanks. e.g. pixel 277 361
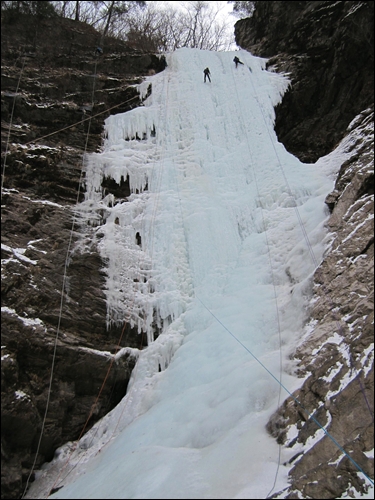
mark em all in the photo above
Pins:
pixel 230 229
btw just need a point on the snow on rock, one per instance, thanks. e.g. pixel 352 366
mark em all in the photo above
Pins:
pixel 212 256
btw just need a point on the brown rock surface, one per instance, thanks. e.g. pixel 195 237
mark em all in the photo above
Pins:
pixel 329 64
pixel 42 183
pixel 327 50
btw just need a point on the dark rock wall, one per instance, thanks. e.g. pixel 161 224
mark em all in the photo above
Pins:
pixel 328 50
pixel 60 82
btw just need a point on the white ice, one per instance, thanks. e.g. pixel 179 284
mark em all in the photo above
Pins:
pixel 231 228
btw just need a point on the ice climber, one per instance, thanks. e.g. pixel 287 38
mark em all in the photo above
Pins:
pixel 206 75
pixel 237 61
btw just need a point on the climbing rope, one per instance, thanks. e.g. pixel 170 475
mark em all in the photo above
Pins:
pixel 217 319
pixel 67 255
pixel 58 481
pixel 281 385
pixel 81 121
pixel 271 270
pixel 316 265
pixel 151 237
pixel 68 248
pixel 290 394
pixel 273 282
pixel 309 246
pixel 61 304
pixel 10 125
pixel 152 225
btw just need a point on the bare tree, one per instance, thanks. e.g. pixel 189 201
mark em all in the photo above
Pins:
pixel 154 26
pixel 115 11
pixel 77 11
pixel 33 8
pixel 194 24
pixel 199 25
pixel 105 16
pixel 86 12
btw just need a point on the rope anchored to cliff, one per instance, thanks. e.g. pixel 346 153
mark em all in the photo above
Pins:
pixel 61 304
pixel 316 265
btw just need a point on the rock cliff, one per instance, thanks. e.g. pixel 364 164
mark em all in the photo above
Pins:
pixel 49 72
pixel 326 48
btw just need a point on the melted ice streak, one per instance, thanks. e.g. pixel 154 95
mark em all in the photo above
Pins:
pixel 217 202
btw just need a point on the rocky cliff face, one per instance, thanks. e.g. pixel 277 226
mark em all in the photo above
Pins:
pixel 49 74
pixel 327 50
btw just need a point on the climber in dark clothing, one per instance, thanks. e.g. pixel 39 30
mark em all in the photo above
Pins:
pixel 98 51
pixel 206 75
pixel 237 61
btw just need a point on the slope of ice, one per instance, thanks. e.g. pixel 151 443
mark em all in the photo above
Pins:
pixel 223 268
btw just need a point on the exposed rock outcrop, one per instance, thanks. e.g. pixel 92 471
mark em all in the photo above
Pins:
pixel 41 268
pixel 327 49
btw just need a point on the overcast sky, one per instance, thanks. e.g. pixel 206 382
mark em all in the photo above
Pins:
pixel 224 14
